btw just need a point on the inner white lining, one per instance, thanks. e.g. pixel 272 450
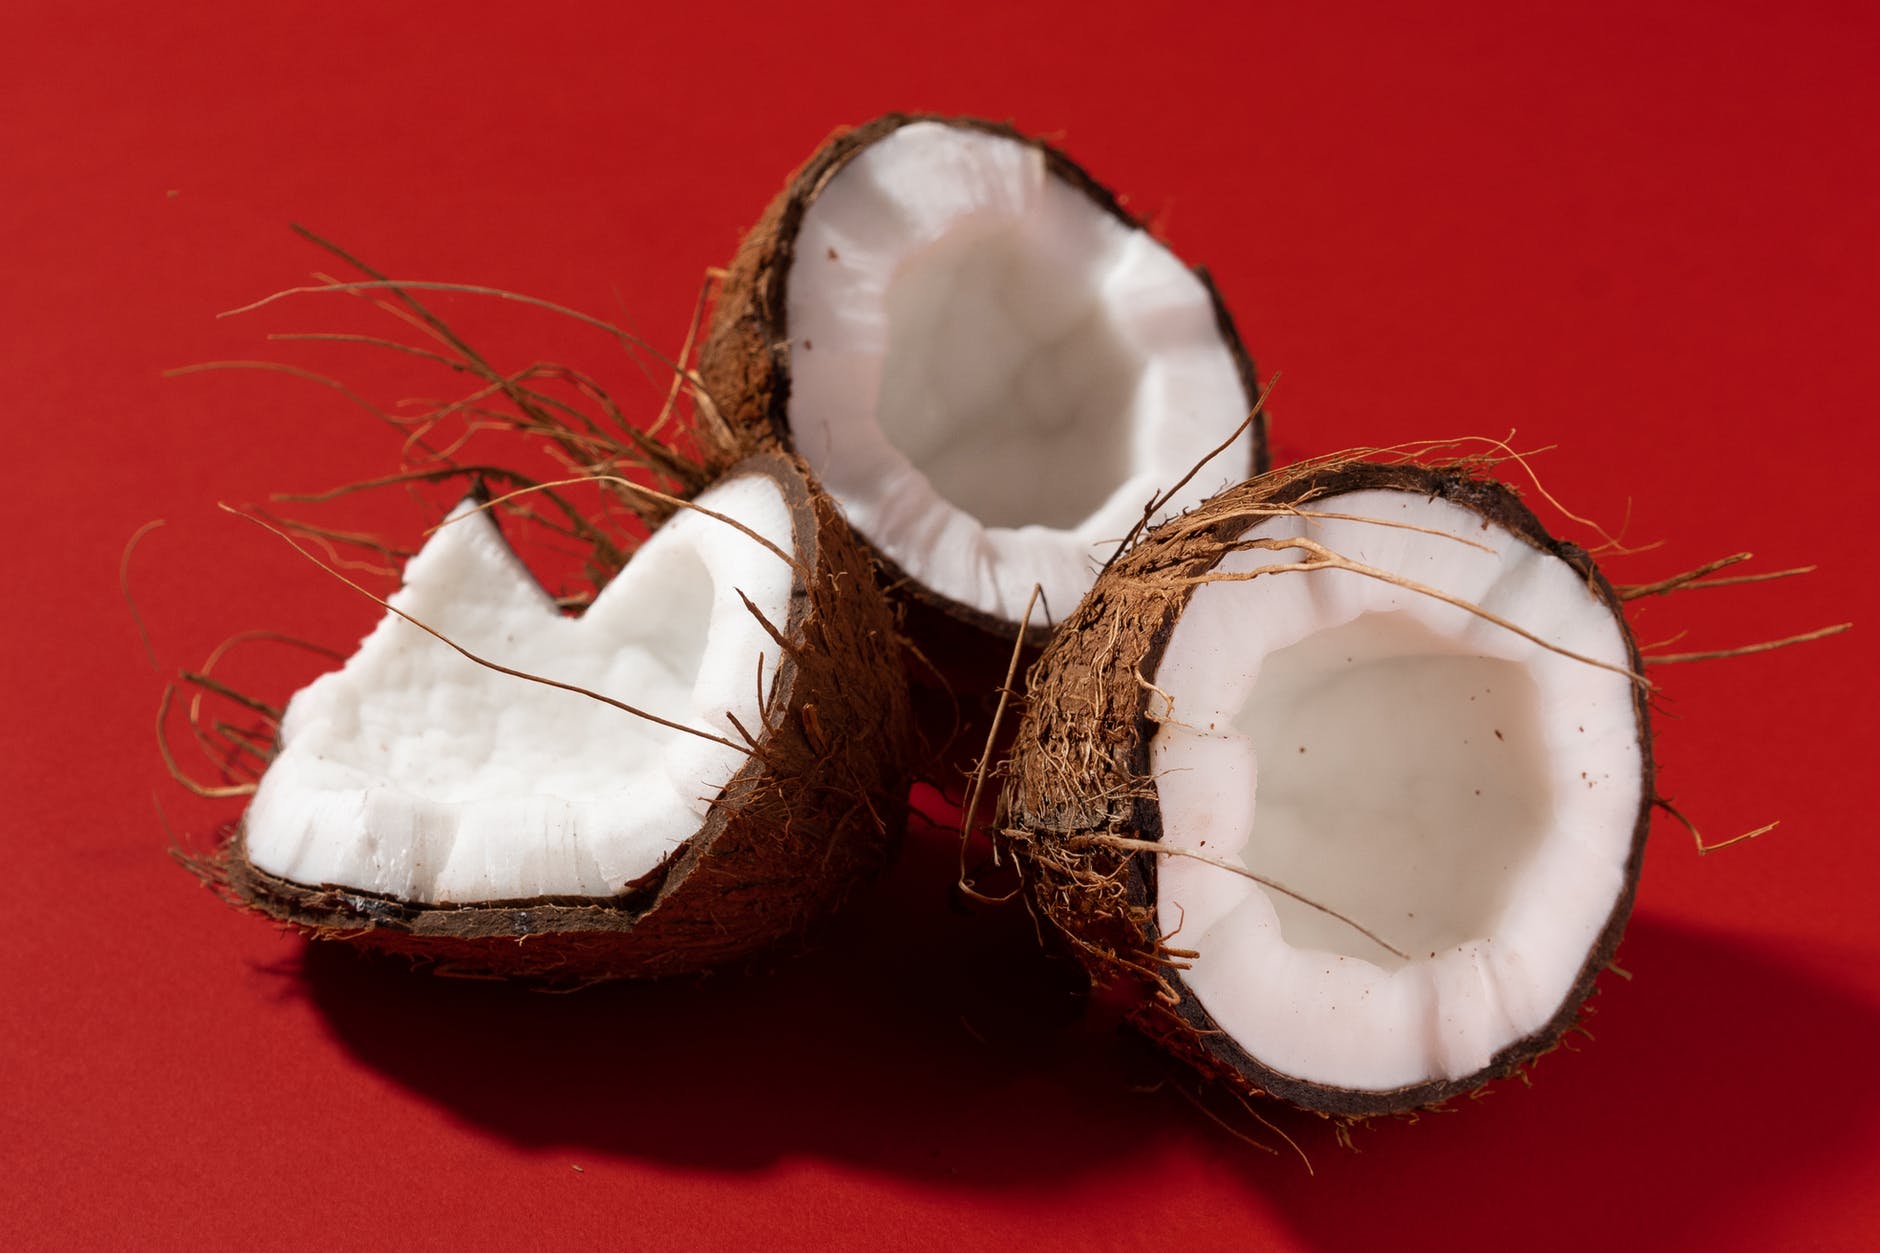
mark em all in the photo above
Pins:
pixel 414 772
pixel 1404 782
pixel 1465 794
pixel 992 374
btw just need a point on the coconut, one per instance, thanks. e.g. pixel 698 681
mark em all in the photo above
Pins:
pixel 1343 779
pixel 990 364
pixel 700 765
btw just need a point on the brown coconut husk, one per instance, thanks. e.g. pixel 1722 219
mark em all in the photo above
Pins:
pixel 744 365
pixel 815 811
pixel 1079 812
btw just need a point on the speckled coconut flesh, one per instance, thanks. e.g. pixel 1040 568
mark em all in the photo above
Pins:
pixel 1449 816
pixel 991 366
pixel 423 803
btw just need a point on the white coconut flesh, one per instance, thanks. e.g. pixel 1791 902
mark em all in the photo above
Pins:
pixel 416 773
pixel 1467 795
pixel 993 374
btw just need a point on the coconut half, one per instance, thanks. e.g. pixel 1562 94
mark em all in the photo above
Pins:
pixel 990 364
pixel 421 802
pixel 1355 843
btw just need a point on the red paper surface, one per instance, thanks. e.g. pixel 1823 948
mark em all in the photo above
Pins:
pixel 1641 234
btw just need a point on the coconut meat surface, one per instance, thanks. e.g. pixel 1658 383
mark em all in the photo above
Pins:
pixel 1465 794
pixel 416 773
pixel 992 373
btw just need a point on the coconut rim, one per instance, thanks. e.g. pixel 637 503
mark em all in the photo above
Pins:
pixel 327 907
pixel 769 291
pixel 1173 1009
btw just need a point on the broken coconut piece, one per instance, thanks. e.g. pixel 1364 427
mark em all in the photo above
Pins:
pixel 989 363
pixel 1355 843
pixel 424 803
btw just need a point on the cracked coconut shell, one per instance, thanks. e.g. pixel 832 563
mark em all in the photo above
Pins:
pixel 1252 851
pixel 814 809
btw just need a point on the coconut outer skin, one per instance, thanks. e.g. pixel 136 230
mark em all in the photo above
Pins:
pixel 745 362
pixel 1079 771
pixel 816 812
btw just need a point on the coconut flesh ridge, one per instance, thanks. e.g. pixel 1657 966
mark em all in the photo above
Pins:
pixel 992 373
pixel 416 773
pixel 1465 794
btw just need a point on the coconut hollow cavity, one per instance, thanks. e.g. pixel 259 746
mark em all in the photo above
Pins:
pixel 1360 845
pixel 487 822
pixel 991 365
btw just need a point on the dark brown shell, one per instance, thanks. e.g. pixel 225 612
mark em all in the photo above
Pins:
pixel 1080 768
pixel 814 813
pixel 745 362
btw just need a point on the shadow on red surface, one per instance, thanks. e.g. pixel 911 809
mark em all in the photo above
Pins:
pixel 1721 1078
pixel 915 1037
pixel 930 1043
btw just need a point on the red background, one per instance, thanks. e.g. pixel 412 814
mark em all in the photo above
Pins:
pixel 1644 234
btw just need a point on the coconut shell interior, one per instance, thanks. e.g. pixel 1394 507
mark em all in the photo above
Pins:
pixel 814 812
pixel 745 362
pixel 1080 769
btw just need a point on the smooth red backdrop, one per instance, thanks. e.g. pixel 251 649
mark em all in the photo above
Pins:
pixel 1642 233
